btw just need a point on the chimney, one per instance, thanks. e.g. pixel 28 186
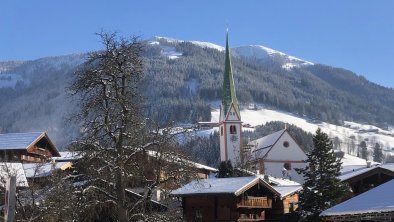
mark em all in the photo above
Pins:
pixel 266 178
pixel 368 164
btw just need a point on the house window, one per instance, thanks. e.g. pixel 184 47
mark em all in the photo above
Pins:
pixel 287 166
pixel 198 215
pixel 233 129
pixel 221 130
pixel 286 144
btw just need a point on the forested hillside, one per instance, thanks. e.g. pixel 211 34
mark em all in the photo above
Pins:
pixel 182 79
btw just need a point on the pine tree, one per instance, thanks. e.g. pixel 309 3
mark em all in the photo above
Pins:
pixel 377 153
pixel 363 150
pixel 225 169
pixel 322 188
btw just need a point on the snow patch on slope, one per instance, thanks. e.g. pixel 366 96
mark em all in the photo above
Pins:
pixel 167 51
pixel 209 45
pixel 198 43
pixel 261 52
pixel 262 116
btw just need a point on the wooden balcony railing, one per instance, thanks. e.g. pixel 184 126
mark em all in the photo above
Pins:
pixel 255 202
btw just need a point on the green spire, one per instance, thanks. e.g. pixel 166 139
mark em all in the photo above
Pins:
pixel 228 95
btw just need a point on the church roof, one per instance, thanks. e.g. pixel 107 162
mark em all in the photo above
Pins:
pixel 228 94
pixel 263 145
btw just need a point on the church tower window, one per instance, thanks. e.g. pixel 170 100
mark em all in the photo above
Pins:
pixel 233 129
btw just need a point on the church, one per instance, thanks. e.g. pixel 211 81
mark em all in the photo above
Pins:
pixel 277 154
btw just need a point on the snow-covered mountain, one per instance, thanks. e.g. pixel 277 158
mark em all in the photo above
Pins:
pixel 256 52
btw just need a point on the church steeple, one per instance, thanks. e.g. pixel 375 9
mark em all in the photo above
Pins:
pixel 230 124
pixel 228 95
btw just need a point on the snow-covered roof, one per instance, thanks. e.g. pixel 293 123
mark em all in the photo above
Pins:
pixel 273 181
pixel 262 146
pixel 195 164
pixel 357 170
pixel 280 181
pixel 377 200
pixel 13 169
pixel 36 170
pixel 232 185
pixel 387 166
pixel 67 156
pixel 18 140
pixel 286 190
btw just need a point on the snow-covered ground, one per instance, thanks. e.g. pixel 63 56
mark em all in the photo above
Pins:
pixel 349 134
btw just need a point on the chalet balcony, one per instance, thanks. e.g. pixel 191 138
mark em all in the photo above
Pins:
pixel 40 151
pixel 26 158
pixel 255 202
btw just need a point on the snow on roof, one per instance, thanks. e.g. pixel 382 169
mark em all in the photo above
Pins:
pixel 281 181
pixel 195 164
pixel 232 185
pixel 357 170
pixel 263 145
pixel 36 170
pixel 387 166
pixel 286 190
pixel 352 160
pixel 216 186
pixel 376 200
pixel 18 140
pixel 273 181
pixel 13 169
pixel 67 156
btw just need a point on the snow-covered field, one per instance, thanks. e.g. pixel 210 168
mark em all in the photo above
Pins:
pixel 353 132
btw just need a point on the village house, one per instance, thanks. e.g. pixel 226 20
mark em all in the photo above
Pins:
pixel 364 178
pixel 238 199
pixel 32 147
pixel 376 204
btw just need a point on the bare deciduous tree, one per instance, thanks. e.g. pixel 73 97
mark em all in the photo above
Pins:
pixel 120 149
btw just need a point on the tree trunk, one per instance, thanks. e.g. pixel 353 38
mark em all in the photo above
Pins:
pixel 120 193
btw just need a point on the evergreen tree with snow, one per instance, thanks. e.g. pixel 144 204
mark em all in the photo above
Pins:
pixel 322 188
pixel 377 153
pixel 363 150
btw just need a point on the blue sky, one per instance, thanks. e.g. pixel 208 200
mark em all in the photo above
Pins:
pixel 354 34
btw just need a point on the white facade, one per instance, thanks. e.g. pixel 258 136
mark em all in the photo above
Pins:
pixel 278 155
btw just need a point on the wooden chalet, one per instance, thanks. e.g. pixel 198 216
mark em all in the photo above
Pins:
pixel 237 199
pixel 376 204
pixel 362 179
pixel 27 147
